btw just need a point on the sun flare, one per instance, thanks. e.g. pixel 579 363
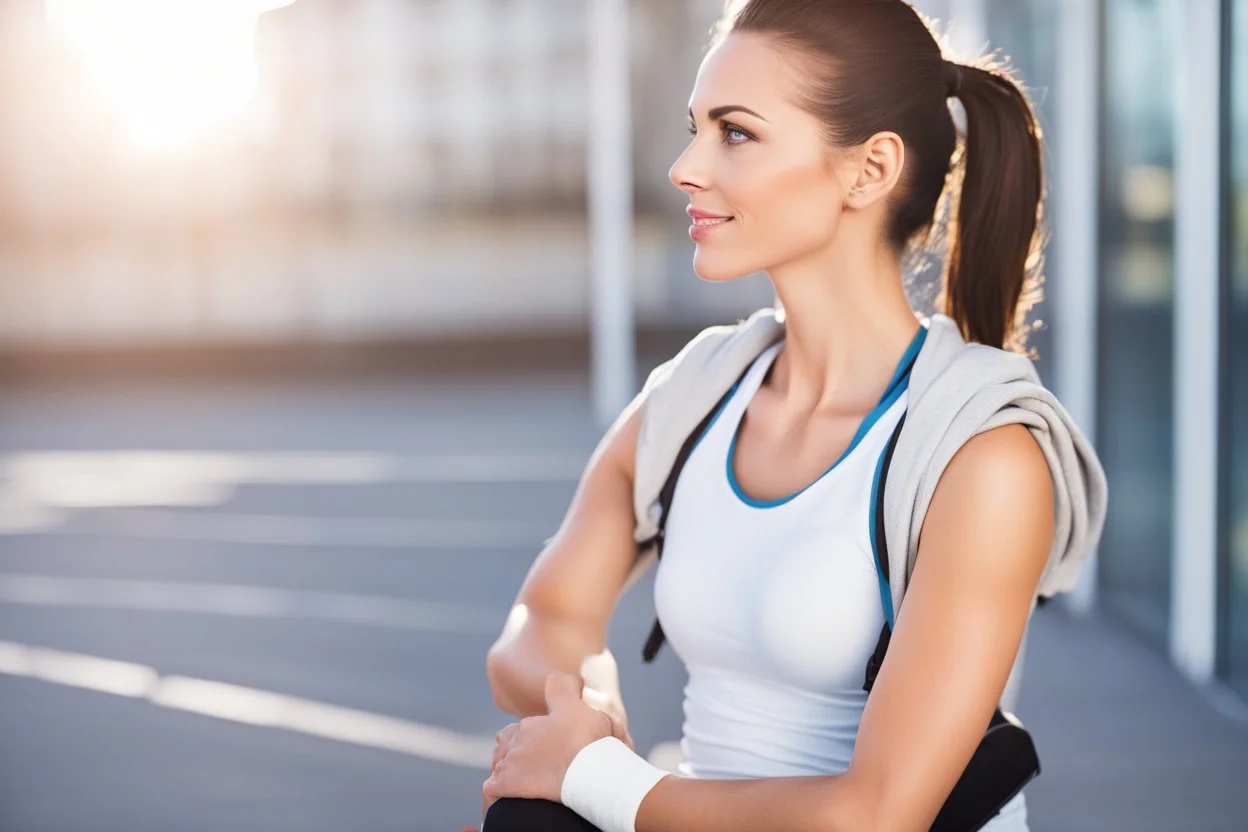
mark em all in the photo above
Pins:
pixel 172 68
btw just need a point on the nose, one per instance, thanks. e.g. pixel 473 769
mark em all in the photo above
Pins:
pixel 686 174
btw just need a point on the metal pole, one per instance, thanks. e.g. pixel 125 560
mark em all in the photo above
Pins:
pixel 1075 293
pixel 1194 581
pixel 610 209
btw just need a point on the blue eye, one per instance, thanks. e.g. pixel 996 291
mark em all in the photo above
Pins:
pixel 731 135
pixel 729 132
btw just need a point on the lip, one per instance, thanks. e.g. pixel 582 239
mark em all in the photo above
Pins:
pixel 699 232
pixel 698 214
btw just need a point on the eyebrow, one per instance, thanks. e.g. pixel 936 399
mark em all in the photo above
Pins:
pixel 719 112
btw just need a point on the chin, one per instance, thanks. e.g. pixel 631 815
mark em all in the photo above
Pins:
pixel 718 269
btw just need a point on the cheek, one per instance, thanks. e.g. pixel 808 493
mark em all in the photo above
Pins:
pixel 800 213
pixel 784 212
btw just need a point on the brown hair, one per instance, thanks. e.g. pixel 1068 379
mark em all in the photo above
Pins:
pixel 992 181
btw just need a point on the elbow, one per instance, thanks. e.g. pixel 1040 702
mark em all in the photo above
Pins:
pixel 499 669
pixel 497 672
pixel 868 805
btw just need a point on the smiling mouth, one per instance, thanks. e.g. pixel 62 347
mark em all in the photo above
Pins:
pixel 712 221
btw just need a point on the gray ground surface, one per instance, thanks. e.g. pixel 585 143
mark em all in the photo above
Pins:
pixel 391 547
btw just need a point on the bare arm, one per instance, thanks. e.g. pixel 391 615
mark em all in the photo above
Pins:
pixel 983 549
pixel 560 616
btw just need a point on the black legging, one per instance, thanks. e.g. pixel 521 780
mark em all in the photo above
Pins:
pixel 515 814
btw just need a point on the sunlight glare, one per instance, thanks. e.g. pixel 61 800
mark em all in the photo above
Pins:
pixel 173 68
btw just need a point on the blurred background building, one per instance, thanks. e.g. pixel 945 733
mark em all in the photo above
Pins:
pixel 1145 104
pixel 237 175
pixel 406 169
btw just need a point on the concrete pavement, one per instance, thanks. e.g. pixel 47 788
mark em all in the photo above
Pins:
pixel 275 616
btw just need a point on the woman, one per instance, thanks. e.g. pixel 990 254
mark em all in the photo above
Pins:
pixel 822 143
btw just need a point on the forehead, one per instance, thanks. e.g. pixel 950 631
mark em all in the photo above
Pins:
pixel 745 69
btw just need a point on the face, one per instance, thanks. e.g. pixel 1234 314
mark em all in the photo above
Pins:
pixel 764 187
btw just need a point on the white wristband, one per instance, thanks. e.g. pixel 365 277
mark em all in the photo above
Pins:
pixel 607 782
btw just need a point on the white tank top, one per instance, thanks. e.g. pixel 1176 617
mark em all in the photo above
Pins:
pixel 774 606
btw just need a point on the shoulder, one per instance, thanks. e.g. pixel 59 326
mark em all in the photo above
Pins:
pixel 717 346
pixel 679 392
pixel 994 505
pixel 1004 458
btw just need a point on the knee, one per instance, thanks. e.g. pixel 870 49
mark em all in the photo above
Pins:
pixel 513 814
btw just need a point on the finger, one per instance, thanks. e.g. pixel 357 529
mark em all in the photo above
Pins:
pixel 496 787
pixel 486 803
pixel 503 785
pixel 562 688
pixel 490 788
pixel 502 742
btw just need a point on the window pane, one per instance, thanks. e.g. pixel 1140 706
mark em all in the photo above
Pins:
pixel 1135 392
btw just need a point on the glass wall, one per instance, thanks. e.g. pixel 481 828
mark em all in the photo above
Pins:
pixel 1135 370
pixel 1235 428
pixel 1025 31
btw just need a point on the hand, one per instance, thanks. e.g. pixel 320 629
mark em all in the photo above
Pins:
pixel 502 741
pixel 612 707
pixel 596 699
pixel 540 748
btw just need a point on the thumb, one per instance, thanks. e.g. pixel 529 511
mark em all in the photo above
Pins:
pixel 562 688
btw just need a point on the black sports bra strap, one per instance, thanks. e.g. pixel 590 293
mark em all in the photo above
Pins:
pixel 881 546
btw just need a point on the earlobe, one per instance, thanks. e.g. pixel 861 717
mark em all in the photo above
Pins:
pixel 854 193
pixel 861 197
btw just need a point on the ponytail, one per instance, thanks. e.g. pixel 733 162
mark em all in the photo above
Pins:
pixel 878 67
pixel 991 276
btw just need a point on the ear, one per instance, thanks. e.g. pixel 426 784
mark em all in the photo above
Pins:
pixel 880 161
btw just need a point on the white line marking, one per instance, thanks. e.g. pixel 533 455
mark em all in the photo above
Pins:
pixel 39 491
pixel 249 706
pixel 82 479
pixel 284 530
pixel 250 602
pixel 89 672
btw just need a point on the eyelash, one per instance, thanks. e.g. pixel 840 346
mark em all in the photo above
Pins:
pixel 726 128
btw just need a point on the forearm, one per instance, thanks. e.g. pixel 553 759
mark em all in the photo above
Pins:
pixel 518 667
pixel 517 684
pixel 794 804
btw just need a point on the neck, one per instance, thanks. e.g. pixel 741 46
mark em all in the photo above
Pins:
pixel 847 324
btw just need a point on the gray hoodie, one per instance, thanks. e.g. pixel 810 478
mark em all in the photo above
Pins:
pixel 957 390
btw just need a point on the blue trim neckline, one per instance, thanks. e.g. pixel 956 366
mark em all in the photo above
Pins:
pixel 896 386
